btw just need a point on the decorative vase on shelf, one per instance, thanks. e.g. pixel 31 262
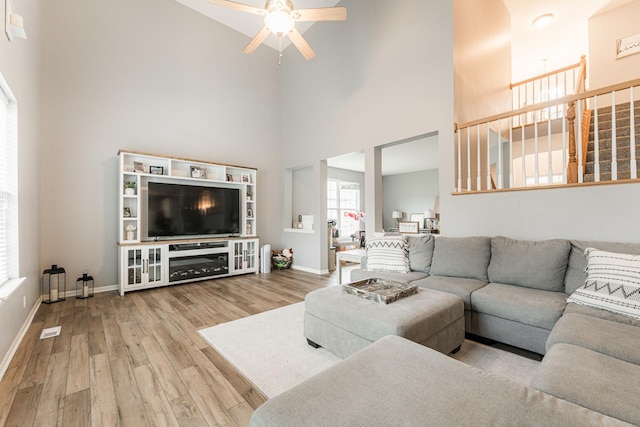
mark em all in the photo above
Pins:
pixel 130 191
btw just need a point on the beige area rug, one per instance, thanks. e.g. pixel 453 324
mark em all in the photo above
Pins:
pixel 270 350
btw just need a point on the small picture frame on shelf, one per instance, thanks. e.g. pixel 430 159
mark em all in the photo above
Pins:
pixel 245 177
pixel 138 167
pixel 408 227
pixel 417 217
pixel 126 212
pixel 198 172
pixel 249 213
pixel 229 177
pixel 156 170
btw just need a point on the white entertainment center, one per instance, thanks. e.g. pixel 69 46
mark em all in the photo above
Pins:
pixel 151 256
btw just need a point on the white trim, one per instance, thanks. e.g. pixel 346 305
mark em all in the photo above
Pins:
pixel 299 230
pixel 309 270
pixel 16 342
pixel 7 288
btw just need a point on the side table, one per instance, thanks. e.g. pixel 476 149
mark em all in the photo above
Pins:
pixel 354 255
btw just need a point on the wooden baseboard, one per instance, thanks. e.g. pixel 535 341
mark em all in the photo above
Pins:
pixel 16 342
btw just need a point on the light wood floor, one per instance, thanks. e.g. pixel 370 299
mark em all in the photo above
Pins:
pixel 137 360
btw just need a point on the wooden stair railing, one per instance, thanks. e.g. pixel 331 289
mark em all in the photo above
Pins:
pixel 481 136
pixel 572 167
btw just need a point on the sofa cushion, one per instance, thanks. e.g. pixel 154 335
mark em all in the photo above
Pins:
pixel 613 283
pixel 454 285
pixel 420 252
pixel 524 305
pixel 600 314
pixel 397 382
pixel 604 336
pixel 466 257
pixel 361 274
pixel 388 253
pixel 601 383
pixel 539 265
pixel 576 275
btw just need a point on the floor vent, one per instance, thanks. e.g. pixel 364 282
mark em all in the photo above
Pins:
pixel 50 332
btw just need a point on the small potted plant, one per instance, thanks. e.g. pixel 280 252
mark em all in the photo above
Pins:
pixel 130 188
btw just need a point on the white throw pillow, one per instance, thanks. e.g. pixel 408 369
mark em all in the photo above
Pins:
pixel 389 253
pixel 613 283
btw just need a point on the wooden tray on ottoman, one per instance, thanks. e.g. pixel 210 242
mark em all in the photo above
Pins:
pixel 379 290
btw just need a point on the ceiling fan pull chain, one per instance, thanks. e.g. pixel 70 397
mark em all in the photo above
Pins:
pixel 279 50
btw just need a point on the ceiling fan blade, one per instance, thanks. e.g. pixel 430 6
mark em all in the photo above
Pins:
pixel 256 41
pixel 239 6
pixel 338 13
pixel 301 44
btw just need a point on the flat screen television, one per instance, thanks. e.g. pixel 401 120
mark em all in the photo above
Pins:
pixel 175 210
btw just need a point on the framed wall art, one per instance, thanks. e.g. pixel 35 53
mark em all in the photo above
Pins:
pixel 408 227
pixel 629 45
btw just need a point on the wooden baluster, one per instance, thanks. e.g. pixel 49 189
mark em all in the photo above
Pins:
pixel 596 142
pixel 469 159
pixel 549 152
pixel 564 143
pixel 489 184
pixel 524 153
pixel 499 165
pixel 579 149
pixel 632 140
pixel 536 171
pixel 511 178
pixel 572 167
pixel 614 148
pixel 459 164
pixel 479 178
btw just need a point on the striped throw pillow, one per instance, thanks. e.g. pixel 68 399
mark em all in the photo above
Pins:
pixel 389 253
pixel 613 283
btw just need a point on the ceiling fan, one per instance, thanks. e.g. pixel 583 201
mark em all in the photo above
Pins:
pixel 280 18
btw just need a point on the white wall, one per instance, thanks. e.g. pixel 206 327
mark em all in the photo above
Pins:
pixel 19 64
pixel 383 76
pixel 482 58
pixel 151 76
pixel 409 192
pixel 604 30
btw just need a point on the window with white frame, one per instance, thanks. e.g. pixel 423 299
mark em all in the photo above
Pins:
pixel 343 206
pixel 8 185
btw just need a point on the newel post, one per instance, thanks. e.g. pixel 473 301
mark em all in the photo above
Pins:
pixel 572 167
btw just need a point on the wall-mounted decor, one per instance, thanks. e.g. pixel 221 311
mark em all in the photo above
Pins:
pixel 408 227
pixel 629 45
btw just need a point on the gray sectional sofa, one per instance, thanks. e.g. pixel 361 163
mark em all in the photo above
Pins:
pixel 514 292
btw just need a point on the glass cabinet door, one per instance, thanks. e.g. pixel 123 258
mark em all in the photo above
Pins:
pixel 250 254
pixel 154 268
pixel 238 256
pixel 134 266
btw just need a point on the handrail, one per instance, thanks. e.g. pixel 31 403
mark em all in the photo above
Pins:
pixel 546 104
pixel 549 74
pixel 582 75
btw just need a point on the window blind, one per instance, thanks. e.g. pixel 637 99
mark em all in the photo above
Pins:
pixel 8 185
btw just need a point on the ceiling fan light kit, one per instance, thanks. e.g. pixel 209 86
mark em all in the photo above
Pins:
pixel 279 22
pixel 280 18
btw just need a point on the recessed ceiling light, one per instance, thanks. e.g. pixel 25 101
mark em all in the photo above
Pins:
pixel 543 20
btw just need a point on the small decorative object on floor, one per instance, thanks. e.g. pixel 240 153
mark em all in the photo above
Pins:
pixel 379 290
pixel 54 284
pixel 84 286
pixel 282 259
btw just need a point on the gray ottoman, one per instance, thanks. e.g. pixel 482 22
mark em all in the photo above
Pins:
pixel 344 324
